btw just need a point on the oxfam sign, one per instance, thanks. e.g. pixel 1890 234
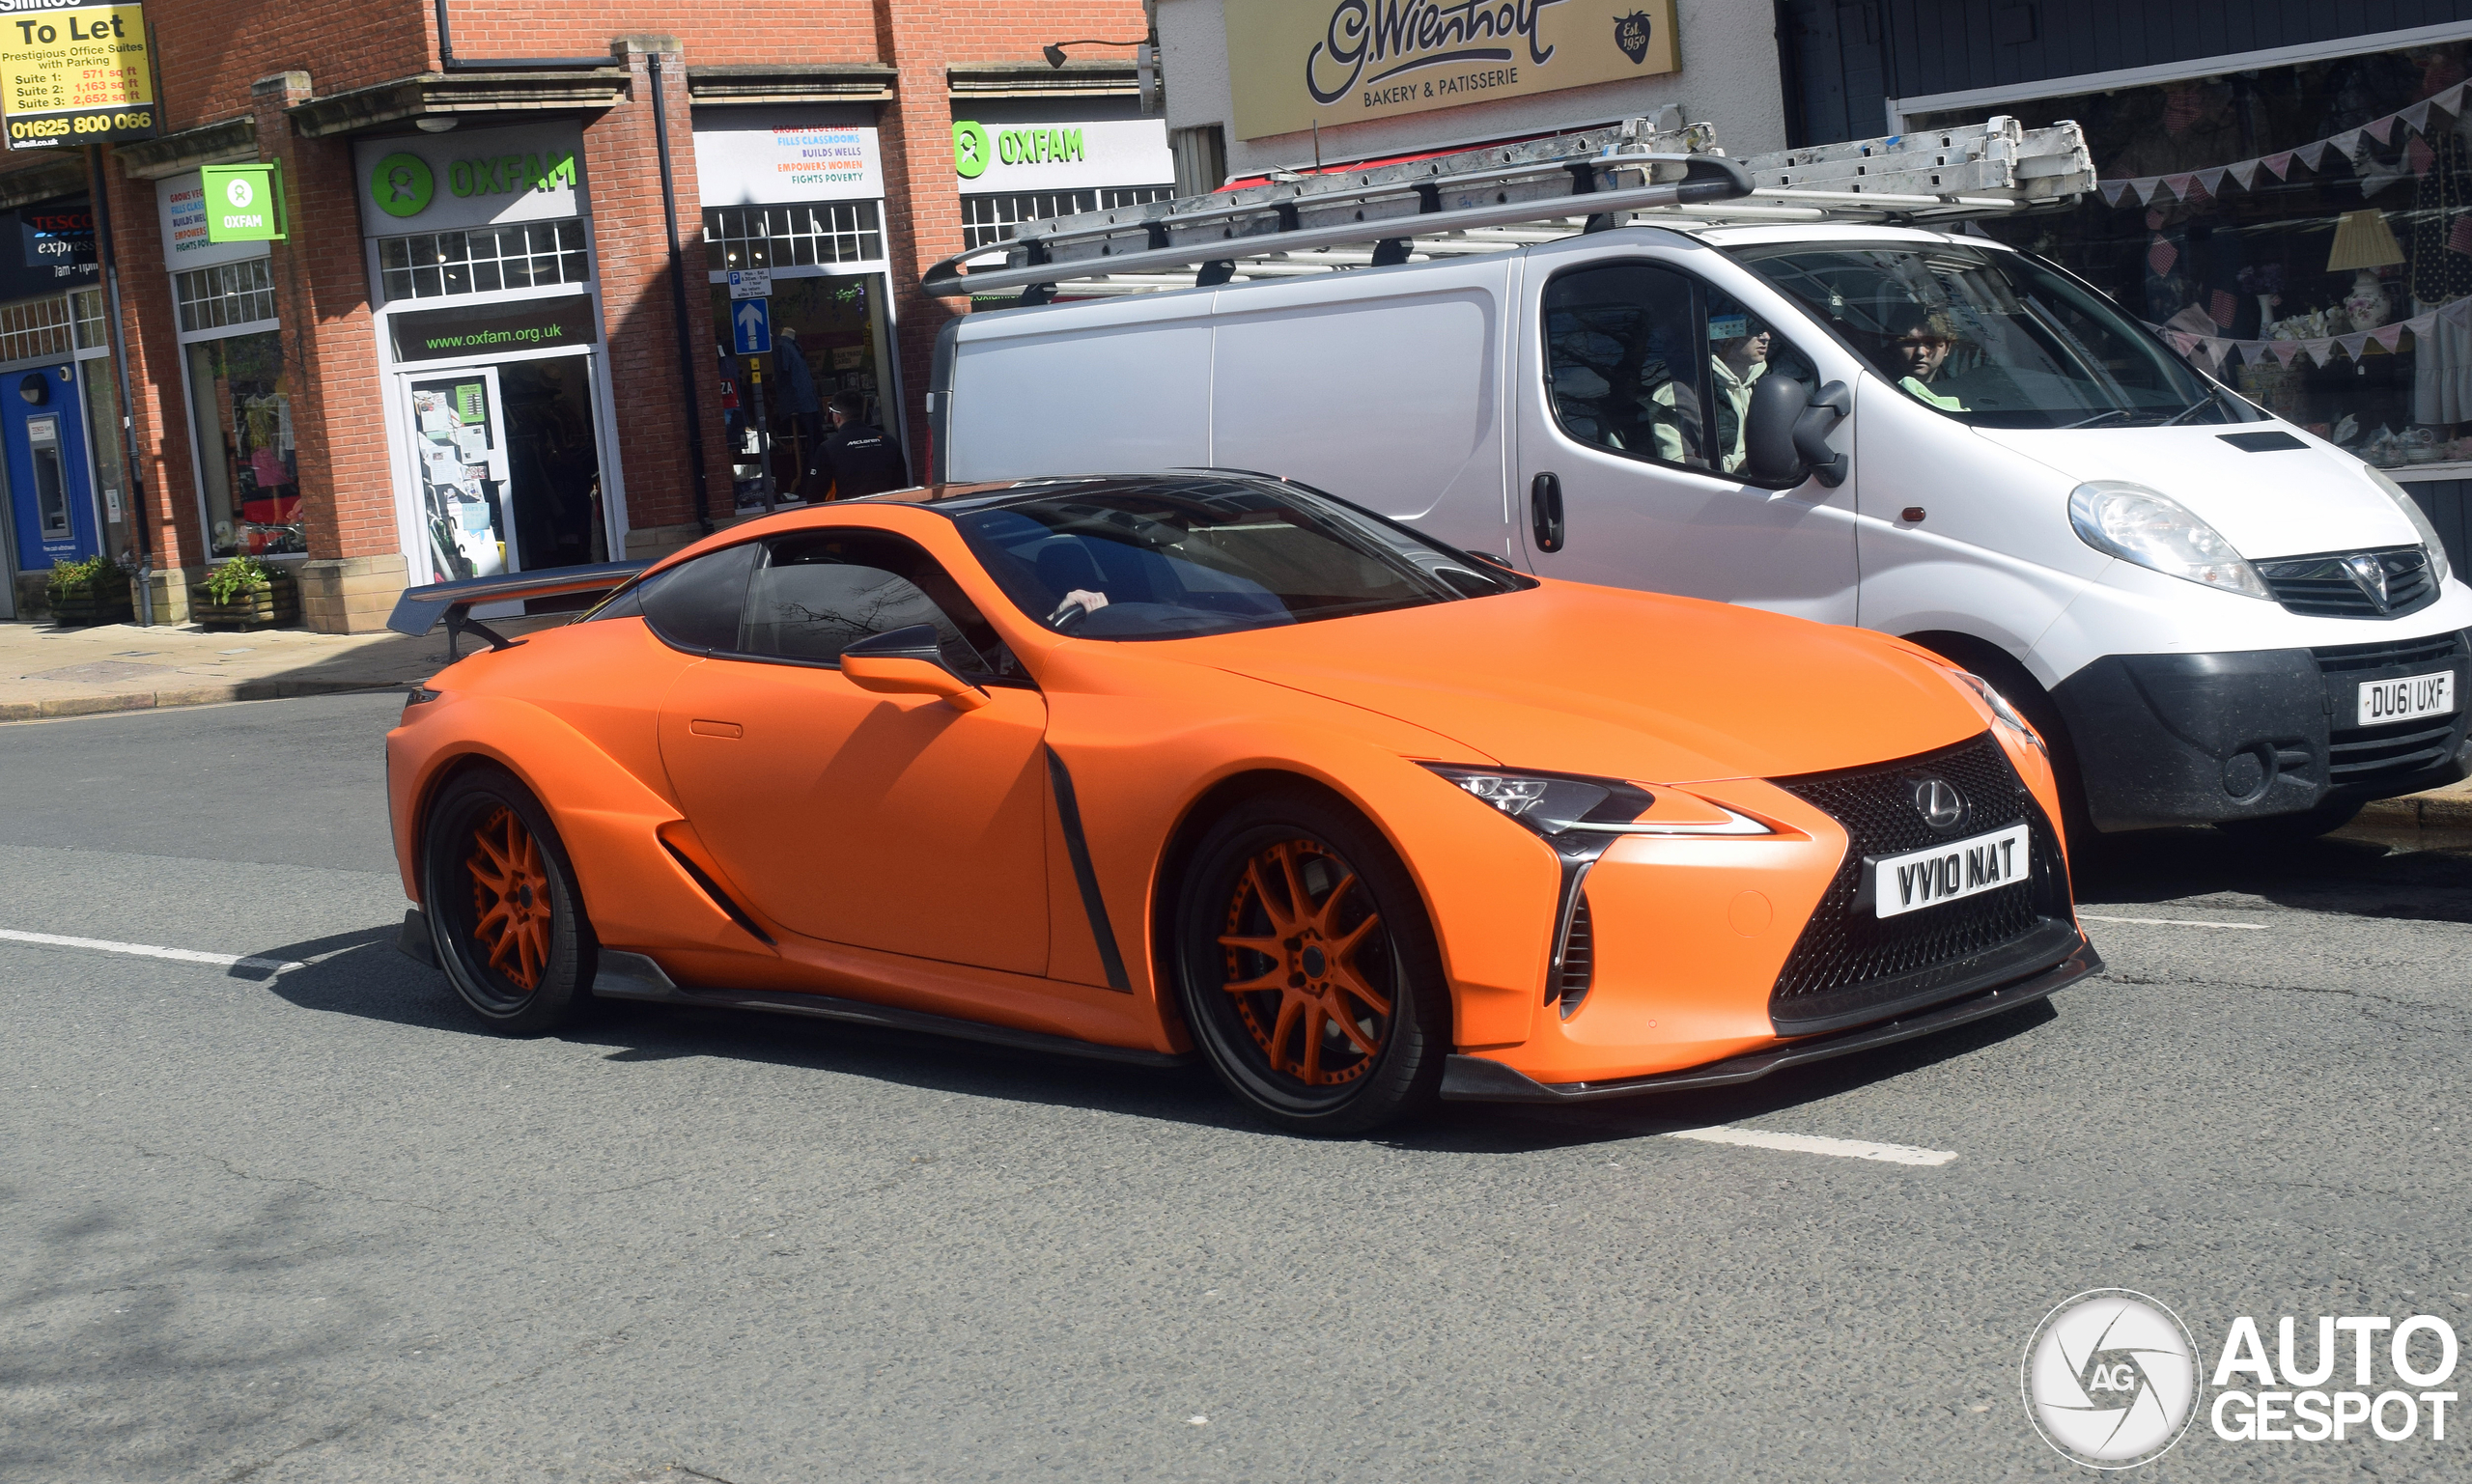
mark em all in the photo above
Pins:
pixel 474 177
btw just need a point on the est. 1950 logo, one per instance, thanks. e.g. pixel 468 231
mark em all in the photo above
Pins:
pixel 1632 33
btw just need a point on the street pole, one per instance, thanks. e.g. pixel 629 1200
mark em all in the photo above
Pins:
pixel 763 436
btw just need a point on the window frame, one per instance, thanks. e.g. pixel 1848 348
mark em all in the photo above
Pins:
pixel 1703 379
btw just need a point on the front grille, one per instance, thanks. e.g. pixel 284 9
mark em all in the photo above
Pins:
pixel 1577 967
pixel 2323 586
pixel 2359 754
pixel 1847 958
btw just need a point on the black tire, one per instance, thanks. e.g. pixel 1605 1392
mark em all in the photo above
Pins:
pixel 2295 828
pixel 488 844
pixel 1358 944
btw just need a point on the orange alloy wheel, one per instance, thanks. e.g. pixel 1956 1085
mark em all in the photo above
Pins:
pixel 1305 950
pixel 510 898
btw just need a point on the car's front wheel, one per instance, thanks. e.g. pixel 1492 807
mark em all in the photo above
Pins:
pixel 1307 967
pixel 504 913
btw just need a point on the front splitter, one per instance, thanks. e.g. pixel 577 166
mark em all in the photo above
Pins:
pixel 1475 1080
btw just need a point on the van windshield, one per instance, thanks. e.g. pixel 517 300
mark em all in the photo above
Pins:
pixel 1164 559
pixel 1994 338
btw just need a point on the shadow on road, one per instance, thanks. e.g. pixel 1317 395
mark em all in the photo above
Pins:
pixel 2352 873
pixel 359 974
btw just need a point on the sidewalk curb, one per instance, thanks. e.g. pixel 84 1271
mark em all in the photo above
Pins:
pixel 2427 811
pixel 197 695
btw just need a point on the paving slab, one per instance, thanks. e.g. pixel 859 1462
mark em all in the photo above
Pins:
pixel 47 672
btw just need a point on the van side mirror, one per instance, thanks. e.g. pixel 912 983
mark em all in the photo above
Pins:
pixel 906 661
pixel 1785 433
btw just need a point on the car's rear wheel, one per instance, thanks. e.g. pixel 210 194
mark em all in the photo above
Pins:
pixel 1308 970
pixel 504 912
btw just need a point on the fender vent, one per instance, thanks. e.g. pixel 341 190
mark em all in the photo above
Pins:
pixel 1575 968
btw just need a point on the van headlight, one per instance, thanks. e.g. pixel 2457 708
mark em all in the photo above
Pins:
pixel 2411 509
pixel 2151 529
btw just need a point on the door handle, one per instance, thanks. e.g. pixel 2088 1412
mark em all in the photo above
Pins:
pixel 1545 512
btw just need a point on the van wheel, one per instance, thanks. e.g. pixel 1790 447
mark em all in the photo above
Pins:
pixel 504 913
pixel 1308 970
pixel 2027 694
pixel 2295 829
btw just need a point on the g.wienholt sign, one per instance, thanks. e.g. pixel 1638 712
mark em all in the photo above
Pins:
pixel 1298 63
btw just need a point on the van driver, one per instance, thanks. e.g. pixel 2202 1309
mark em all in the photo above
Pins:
pixel 1918 340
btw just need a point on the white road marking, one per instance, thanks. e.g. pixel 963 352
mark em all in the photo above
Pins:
pixel 1813 1143
pixel 2177 922
pixel 150 951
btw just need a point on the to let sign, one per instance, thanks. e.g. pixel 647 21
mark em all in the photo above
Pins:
pixel 243 202
pixel 74 73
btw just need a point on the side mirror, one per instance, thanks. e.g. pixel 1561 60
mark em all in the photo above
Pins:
pixel 1785 434
pixel 906 661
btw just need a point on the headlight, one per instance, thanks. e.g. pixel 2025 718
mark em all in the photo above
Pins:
pixel 1564 804
pixel 2142 525
pixel 2412 510
pixel 2002 712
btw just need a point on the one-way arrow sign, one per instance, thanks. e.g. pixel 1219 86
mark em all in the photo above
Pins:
pixel 751 326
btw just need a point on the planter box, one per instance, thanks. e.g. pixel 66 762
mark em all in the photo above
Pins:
pixel 103 602
pixel 268 607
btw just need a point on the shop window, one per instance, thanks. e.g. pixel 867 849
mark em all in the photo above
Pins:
pixel 86 307
pixel 830 335
pixel 987 220
pixel 241 404
pixel 440 264
pixel 225 294
pixel 34 327
pixel 779 237
pixel 2304 232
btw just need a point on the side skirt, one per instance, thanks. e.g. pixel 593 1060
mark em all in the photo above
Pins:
pixel 634 976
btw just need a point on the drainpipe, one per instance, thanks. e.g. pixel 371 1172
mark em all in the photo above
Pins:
pixel 450 61
pixel 678 296
pixel 132 473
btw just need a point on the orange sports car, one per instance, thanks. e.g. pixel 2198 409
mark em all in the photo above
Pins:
pixel 1142 766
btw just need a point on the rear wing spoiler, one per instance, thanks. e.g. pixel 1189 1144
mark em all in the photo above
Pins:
pixel 421 608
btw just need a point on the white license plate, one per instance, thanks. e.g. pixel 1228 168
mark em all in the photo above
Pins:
pixel 2385 702
pixel 1949 873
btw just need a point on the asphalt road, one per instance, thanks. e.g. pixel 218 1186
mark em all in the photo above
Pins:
pixel 316 1227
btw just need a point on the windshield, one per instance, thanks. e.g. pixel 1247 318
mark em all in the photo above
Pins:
pixel 1171 558
pixel 1994 338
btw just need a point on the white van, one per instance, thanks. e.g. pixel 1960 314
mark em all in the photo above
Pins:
pixel 2212 616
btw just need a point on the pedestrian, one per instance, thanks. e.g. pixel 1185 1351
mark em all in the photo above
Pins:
pixel 798 396
pixel 857 457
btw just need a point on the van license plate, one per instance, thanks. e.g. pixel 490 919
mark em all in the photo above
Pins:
pixel 2385 702
pixel 1949 873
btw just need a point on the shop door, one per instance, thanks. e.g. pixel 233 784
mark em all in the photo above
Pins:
pixel 51 500
pixel 460 466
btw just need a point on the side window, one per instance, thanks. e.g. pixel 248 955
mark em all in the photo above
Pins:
pixel 1622 353
pixel 818 592
pixel 695 605
pixel 1651 363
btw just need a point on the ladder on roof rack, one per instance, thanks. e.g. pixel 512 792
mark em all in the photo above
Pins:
pixel 1602 175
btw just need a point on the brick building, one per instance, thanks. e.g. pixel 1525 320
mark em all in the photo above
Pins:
pixel 468 351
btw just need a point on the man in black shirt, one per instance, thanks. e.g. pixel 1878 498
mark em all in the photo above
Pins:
pixel 857 457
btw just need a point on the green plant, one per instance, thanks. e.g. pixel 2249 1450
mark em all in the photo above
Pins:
pixel 93 574
pixel 238 578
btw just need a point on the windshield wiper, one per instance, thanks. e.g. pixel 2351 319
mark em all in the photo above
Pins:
pixel 2105 415
pixel 2213 396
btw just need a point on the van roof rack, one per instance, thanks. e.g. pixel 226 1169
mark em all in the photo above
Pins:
pixel 1480 201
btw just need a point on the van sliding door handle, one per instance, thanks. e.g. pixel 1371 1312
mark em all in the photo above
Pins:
pixel 1545 512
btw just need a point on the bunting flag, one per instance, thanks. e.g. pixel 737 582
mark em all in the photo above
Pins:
pixel 2354 345
pixel 2392 335
pixel 2355 145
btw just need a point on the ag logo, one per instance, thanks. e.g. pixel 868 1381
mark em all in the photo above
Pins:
pixel 401 185
pixel 1939 802
pixel 2111 1379
pixel 1631 33
pixel 971 149
pixel 239 192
